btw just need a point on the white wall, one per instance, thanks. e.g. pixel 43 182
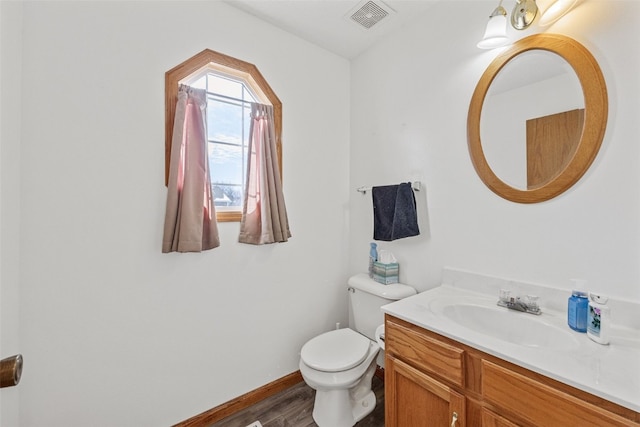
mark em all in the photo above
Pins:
pixel 113 332
pixel 10 111
pixel 410 96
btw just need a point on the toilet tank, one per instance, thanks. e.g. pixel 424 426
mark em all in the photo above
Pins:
pixel 366 296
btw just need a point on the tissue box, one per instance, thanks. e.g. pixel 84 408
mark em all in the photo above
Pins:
pixel 386 273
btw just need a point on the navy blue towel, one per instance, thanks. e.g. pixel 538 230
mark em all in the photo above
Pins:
pixel 394 212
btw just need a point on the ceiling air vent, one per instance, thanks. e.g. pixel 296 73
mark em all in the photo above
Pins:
pixel 368 13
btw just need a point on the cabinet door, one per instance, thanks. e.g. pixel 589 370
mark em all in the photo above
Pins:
pixel 414 399
pixel 491 419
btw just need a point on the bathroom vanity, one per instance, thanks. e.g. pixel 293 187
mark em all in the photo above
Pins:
pixel 443 368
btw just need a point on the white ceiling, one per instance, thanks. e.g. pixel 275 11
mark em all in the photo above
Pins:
pixel 327 23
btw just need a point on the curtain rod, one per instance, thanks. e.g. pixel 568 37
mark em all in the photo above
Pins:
pixel 415 185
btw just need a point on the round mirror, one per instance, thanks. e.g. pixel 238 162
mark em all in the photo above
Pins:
pixel 537 118
pixel 532 119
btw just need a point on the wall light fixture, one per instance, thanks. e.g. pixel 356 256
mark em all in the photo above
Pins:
pixel 496 33
pixel 552 10
pixel 522 16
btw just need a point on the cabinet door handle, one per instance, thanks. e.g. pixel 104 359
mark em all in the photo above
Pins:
pixel 454 419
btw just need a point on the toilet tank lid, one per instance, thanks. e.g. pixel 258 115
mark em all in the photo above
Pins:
pixel 394 291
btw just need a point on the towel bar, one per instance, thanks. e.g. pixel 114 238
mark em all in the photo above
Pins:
pixel 415 185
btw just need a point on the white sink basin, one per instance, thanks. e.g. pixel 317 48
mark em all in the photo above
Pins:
pixel 508 325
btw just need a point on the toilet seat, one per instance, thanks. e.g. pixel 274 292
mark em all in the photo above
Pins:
pixel 335 351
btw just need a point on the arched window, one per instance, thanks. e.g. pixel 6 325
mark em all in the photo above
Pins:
pixel 231 86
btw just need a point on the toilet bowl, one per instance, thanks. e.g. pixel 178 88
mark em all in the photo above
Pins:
pixel 340 365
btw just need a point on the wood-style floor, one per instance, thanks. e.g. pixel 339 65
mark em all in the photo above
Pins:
pixel 293 408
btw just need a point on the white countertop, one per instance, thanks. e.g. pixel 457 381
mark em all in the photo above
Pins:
pixel 609 371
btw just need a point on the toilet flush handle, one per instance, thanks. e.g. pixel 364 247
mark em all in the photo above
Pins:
pixel 352 290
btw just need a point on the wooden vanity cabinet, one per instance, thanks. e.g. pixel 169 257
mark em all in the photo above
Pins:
pixel 414 396
pixel 418 399
pixel 431 380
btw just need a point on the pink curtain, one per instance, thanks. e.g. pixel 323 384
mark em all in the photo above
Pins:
pixel 264 215
pixel 190 219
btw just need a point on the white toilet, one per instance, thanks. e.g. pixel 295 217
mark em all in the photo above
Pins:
pixel 340 364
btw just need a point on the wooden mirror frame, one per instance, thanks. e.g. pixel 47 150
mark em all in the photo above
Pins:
pixel 595 120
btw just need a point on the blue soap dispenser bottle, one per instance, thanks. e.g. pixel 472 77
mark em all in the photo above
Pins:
pixel 578 307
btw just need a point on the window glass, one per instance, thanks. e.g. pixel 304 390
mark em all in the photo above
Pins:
pixel 225 121
pixel 224 86
pixel 228 124
pixel 226 163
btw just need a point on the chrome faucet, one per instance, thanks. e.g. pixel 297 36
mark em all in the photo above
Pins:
pixel 516 303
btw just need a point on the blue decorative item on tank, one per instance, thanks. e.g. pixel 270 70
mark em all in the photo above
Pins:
pixel 373 257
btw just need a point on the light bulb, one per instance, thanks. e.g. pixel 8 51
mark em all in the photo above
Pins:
pixel 552 10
